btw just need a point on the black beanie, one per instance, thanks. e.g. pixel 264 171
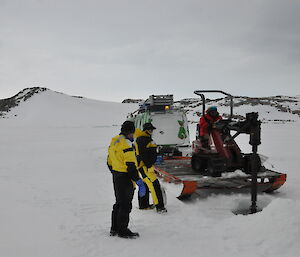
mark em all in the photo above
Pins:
pixel 148 126
pixel 127 127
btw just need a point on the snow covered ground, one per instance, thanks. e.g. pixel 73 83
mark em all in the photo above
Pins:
pixel 56 193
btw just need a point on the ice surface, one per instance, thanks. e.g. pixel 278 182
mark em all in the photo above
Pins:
pixel 56 193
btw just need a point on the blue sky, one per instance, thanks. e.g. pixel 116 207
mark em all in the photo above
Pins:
pixel 111 50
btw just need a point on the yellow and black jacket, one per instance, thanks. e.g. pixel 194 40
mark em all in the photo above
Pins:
pixel 121 157
pixel 146 149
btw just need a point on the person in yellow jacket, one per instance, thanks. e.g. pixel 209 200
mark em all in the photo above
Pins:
pixel 146 151
pixel 122 163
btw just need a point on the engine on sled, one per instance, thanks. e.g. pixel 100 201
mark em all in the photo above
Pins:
pixel 220 152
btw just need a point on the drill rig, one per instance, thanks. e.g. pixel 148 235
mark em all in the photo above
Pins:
pixel 221 165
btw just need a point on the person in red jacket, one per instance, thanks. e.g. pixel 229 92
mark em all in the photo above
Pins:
pixel 206 123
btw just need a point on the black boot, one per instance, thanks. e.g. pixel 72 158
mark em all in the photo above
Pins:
pixel 149 207
pixel 161 210
pixel 113 232
pixel 128 234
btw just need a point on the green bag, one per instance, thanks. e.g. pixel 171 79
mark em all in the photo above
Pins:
pixel 182 132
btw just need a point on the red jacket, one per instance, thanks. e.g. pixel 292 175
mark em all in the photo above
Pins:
pixel 204 123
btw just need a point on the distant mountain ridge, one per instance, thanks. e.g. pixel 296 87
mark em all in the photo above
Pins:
pixel 279 103
pixel 286 104
pixel 273 109
pixel 276 105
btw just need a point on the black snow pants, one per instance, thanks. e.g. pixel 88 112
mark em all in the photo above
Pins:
pixel 124 191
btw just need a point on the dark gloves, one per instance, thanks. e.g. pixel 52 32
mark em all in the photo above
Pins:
pixel 210 126
pixel 142 188
pixel 132 171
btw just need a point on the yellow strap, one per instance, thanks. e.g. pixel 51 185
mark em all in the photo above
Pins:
pixel 152 190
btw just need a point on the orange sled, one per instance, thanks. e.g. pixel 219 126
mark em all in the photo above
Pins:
pixel 178 170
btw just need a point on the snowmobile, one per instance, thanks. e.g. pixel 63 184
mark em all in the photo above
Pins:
pixel 170 120
pixel 221 165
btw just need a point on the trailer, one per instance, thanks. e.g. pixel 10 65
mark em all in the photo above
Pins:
pixel 179 171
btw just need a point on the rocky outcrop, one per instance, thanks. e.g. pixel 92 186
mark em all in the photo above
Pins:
pixel 7 104
pixel 281 103
pixel 132 101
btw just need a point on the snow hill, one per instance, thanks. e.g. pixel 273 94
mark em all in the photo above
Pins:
pixel 56 192
pixel 42 106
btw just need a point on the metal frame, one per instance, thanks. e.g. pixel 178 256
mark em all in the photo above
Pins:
pixel 200 93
